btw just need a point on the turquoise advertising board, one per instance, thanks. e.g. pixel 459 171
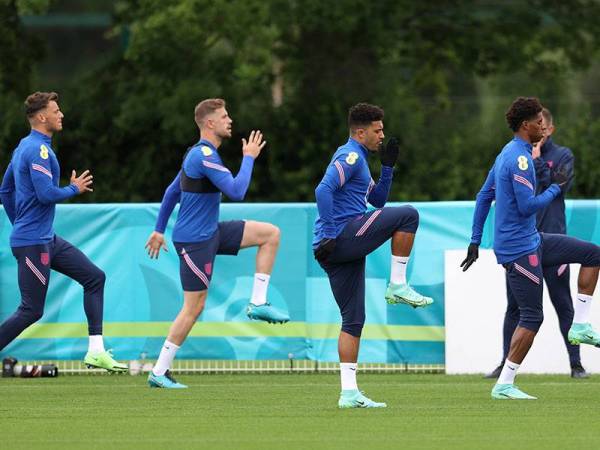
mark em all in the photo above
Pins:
pixel 143 296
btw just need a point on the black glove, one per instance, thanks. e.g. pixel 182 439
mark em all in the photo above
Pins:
pixel 324 249
pixel 472 255
pixel 389 154
pixel 562 176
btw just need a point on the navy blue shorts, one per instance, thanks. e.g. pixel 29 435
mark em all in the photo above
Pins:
pixel 525 274
pixel 196 258
pixel 345 267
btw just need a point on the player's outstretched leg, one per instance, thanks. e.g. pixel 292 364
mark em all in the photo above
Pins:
pixel 72 262
pixel 399 291
pixel 581 331
pixel 266 237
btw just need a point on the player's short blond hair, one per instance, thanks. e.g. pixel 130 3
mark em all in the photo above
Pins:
pixel 547 116
pixel 206 107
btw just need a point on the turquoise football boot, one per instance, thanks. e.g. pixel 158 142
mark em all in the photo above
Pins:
pixel 267 313
pixel 103 360
pixel 582 333
pixel 403 293
pixel 356 399
pixel 164 381
pixel 509 392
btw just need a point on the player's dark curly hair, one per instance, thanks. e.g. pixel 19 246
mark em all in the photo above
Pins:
pixel 523 108
pixel 362 114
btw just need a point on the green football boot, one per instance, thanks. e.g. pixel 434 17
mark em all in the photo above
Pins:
pixel 509 392
pixel 403 293
pixel 355 399
pixel 582 333
pixel 103 360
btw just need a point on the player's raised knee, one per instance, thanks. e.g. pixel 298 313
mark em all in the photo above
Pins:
pixel 268 233
pixel 408 218
pixel 411 213
pixel 353 329
pixel 96 277
pixel 274 234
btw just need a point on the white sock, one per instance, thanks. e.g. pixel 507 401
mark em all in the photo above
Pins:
pixel 509 371
pixel 348 374
pixel 398 272
pixel 259 290
pixel 165 359
pixel 582 306
pixel 96 344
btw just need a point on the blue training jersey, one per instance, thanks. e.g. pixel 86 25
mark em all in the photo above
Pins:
pixel 346 189
pixel 30 191
pixel 512 183
pixel 198 216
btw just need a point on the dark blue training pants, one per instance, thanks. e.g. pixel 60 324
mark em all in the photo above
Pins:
pixel 525 274
pixel 34 264
pixel 345 267
pixel 557 280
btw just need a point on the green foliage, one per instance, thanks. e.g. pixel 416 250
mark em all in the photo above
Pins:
pixel 443 71
pixel 18 51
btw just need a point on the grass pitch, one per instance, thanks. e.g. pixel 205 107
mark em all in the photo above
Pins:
pixel 296 411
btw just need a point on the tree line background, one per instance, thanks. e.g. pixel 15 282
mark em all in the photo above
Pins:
pixel 129 74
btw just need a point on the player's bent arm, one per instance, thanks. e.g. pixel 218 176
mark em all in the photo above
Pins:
pixel 7 193
pixel 528 203
pixel 379 194
pixel 233 188
pixel 170 198
pixel 46 192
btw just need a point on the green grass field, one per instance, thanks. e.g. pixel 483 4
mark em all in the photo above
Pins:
pixel 296 411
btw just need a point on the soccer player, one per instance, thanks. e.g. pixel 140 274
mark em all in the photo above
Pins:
pixel 521 249
pixel 549 157
pixel 29 194
pixel 199 236
pixel 345 233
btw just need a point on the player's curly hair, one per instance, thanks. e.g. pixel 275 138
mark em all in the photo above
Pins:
pixel 362 114
pixel 38 101
pixel 523 108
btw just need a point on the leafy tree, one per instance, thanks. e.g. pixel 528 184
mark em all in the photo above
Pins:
pixel 444 72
